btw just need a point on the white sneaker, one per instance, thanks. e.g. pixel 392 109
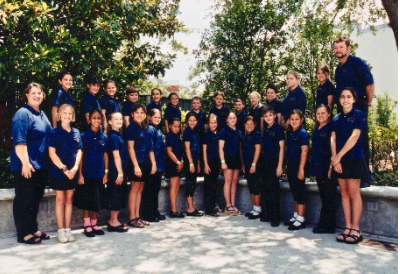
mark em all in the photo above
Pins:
pixel 61 237
pixel 69 235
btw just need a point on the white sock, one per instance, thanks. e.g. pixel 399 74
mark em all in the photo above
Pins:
pixel 61 230
pixel 254 207
pixel 68 229
pixel 294 218
pixel 295 215
pixel 258 209
pixel 299 221
pixel 300 218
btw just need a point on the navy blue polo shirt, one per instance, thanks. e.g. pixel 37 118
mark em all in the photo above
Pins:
pixel 127 108
pixel 89 103
pixel 295 99
pixel 171 113
pixel 211 140
pixel 249 146
pixel 201 121
pixel 61 96
pixel 116 142
pixel 95 144
pixel 271 138
pixel 343 126
pixel 30 128
pixel 174 141
pixel 232 139
pixel 143 143
pixel 194 139
pixel 277 106
pixel 257 114
pixel 354 73
pixel 321 151
pixel 295 140
pixel 240 120
pixel 222 114
pixel 110 104
pixel 152 105
pixel 159 147
pixel 324 91
pixel 67 145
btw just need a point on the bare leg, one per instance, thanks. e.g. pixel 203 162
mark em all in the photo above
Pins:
pixel 86 214
pixel 235 176
pixel 356 205
pixel 68 207
pixel 132 200
pixel 59 208
pixel 301 210
pixel 138 198
pixel 257 200
pixel 191 207
pixel 296 207
pixel 227 187
pixel 114 218
pixel 174 184
pixel 346 205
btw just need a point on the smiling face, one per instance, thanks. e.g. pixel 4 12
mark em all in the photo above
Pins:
pixel 219 100
pixel 175 127
pixel 322 76
pixel 93 88
pixel 111 89
pixel 271 95
pixel 156 95
pixel 231 119
pixel 238 106
pixel 133 97
pixel 174 100
pixel 138 115
pixel 196 104
pixel 249 126
pixel 341 50
pixel 192 122
pixel 269 117
pixel 295 121
pixel 67 115
pixel 346 99
pixel 213 124
pixel 254 100
pixel 66 82
pixel 156 118
pixel 291 81
pixel 35 97
pixel 322 115
pixel 95 121
pixel 116 121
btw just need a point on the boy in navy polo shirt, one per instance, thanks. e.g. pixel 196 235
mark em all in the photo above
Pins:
pixel 108 103
pixel 240 113
pixel 271 92
pixel 90 102
pixel 132 96
pixel 201 115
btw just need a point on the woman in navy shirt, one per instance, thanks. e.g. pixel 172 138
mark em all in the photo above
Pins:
pixel 220 109
pixel 149 206
pixel 172 111
pixel 191 142
pixel 230 153
pixel 211 166
pixel 325 89
pixel 29 161
pixel 65 150
pixel 320 168
pixel 93 174
pixel 118 161
pixel 295 98
pixel 62 95
pixel 296 155
pixel 108 103
pixel 348 162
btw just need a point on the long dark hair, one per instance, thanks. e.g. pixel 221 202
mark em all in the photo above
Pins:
pixel 293 112
pixel 137 106
pixel 169 98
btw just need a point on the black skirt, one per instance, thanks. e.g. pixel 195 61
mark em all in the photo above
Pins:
pixel 91 195
pixel 63 183
pixel 352 169
pixel 233 162
pixel 116 195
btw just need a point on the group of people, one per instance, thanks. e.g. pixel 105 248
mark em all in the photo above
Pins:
pixel 119 158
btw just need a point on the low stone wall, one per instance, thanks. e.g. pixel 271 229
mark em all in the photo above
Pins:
pixel 379 217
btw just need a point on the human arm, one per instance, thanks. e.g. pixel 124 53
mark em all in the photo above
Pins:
pixel 118 165
pixel 281 157
pixel 189 157
pixel 337 167
pixel 22 153
pixel 207 169
pixel 303 159
pixel 255 159
pixel 172 156
pixel 153 162
pixel 54 114
pixel 127 121
pixel 370 90
pixel 132 155
pixel 330 102
pixel 355 135
pixel 105 177
pixel 104 120
pixel 221 144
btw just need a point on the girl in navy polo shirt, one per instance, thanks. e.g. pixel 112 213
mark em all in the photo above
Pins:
pixel 240 114
pixel 172 111
pixel 251 154
pixel 93 174
pixel 296 155
pixel 118 160
pixel 132 96
pixel 65 150
pixel 325 89
pixel 141 163
pixel 149 206
pixel 320 168
pixel 256 109
pixel 174 165
pixel 220 109
pixel 295 98
pixel 230 153
pixel 348 162
pixel 271 91
pixel 62 96
pixel 192 152
pixel 155 104
pixel 211 166
pixel 273 154
pixel 108 103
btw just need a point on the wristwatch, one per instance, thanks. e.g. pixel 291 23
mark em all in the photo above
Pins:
pixel 63 168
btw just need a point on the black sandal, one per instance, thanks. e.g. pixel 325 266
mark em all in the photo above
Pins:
pixel 31 241
pixel 343 235
pixel 194 213
pixel 118 228
pixel 43 236
pixel 356 238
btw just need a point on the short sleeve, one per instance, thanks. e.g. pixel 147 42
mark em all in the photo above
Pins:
pixel 331 89
pixel 20 126
pixel 151 144
pixel 222 135
pixel 105 148
pixel 186 136
pixel 125 110
pixel 240 136
pixel 130 133
pixel 57 98
pixel 168 115
pixel 103 103
pixel 334 122
pixel 281 134
pixel 113 142
pixel 206 138
pixel 305 140
pixel 80 144
pixel 359 121
pixel 169 141
pixel 364 74
pixel 87 106
pixel 258 139
pixel 51 139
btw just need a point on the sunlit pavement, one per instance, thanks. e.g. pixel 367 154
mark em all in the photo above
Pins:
pixel 198 245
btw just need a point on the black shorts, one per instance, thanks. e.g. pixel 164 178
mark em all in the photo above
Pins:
pixel 233 162
pixel 63 183
pixel 171 169
pixel 144 167
pixel 352 169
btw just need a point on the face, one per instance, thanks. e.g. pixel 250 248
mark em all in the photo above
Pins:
pixel 66 81
pixel 192 122
pixel 271 95
pixel 174 100
pixel 133 97
pixel 269 117
pixel 346 99
pixel 175 127
pixel 254 100
pixel 95 120
pixel 156 95
pixel 231 119
pixel 111 89
pixel 295 121
pixel 93 88
pixel 66 115
pixel 322 115
pixel 138 115
pixel 116 120
pixel 238 106
pixel 321 76
pixel 35 97
pixel 249 126
pixel 219 100
pixel 196 104
pixel 213 124
pixel 341 50
pixel 155 119
pixel 291 81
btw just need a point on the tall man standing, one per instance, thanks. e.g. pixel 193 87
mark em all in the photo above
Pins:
pixel 354 72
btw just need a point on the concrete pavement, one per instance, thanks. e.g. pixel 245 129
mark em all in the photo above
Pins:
pixel 226 244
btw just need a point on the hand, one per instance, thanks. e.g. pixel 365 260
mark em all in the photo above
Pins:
pixel 224 166
pixel 191 169
pixel 119 180
pixel 180 166
pixel 138 171
pixel 81 180
pixel 243 169
pixel 279 171
pixel 105 178
pixel 198 167
pixel 153 169
pixel 27 171
pixel 71 174
pixel 207 169
pixel 252 169
pixel 338 168
pixel 335 159
pixel 300 174
pixel 330 173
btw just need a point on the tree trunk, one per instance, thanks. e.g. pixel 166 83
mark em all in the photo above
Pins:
pixel 391 7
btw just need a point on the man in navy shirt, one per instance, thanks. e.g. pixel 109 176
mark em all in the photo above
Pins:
pixel 354 72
